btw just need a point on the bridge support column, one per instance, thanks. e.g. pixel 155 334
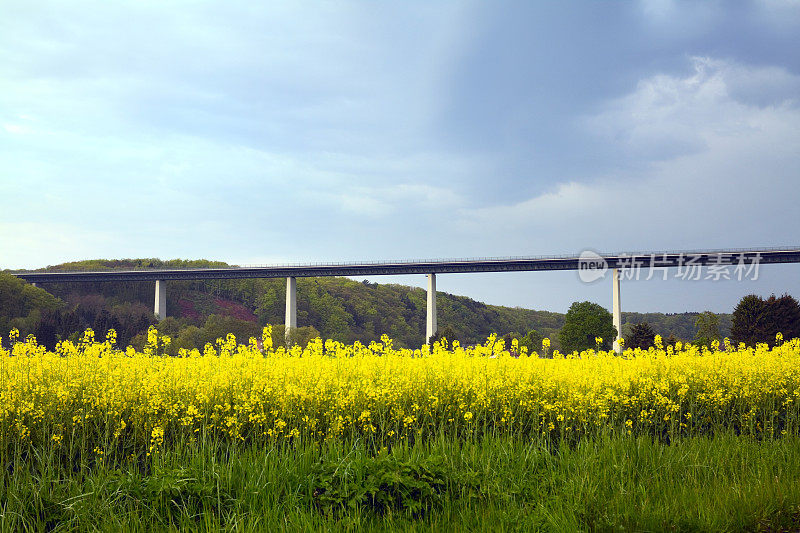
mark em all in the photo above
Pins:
pixel 617 310
pixel 160 309
pixel 291 306
pixel 430 325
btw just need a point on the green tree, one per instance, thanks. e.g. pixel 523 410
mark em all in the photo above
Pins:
pixel 509 337
pixel 189 338
pixel 672 340
pixel 707 325
pixel 585 321
pixel 218 327
pixel 301 335
pixel 750 321
pixel 22 305
pixel 447 333
pixel 642 336
pixel 533 341
pixel 783 317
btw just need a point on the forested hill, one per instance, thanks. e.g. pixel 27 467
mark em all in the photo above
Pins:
pixel 338 308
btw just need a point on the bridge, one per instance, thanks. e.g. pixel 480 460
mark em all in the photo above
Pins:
pixel 593 264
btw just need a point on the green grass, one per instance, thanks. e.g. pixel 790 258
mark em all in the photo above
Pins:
pixel 725 483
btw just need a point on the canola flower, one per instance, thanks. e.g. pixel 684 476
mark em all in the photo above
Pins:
pixel 117 402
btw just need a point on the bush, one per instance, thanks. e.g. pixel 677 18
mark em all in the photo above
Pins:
pixel 382 484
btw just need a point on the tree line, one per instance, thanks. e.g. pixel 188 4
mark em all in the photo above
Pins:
pixel 340 309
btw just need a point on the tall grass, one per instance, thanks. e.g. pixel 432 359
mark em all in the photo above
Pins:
pixel 724 483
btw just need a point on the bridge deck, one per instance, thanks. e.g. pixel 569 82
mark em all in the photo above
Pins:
pixel 517 264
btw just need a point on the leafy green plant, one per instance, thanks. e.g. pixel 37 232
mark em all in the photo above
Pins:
pixel 383 484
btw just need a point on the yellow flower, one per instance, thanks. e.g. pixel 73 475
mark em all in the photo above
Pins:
pixel 144 401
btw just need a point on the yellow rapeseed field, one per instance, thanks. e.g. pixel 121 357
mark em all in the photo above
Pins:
pixel 120 401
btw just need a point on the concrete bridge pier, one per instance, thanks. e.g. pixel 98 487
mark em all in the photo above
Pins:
pixel 291 306
pixel 617 310
pixel 160 309
pixel 430 324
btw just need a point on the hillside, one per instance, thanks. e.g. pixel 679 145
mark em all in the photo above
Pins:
pixel 22 304
pixel 337 308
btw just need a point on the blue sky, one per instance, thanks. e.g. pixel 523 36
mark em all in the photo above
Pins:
pixel 260 133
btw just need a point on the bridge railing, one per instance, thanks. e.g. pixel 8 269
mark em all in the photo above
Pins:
pixel 446 260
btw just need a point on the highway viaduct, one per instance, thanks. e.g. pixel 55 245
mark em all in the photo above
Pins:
pixel 589 264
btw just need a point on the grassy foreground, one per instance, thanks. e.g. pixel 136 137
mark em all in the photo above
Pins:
pixel 724 483
pixel 361 438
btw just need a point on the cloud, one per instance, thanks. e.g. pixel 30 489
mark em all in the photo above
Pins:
pixel 715 168
pixel 333 77
pixel 667 116
pixel 207 121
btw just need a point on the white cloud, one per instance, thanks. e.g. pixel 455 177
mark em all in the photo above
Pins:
pixel 667 115
pixel 713 170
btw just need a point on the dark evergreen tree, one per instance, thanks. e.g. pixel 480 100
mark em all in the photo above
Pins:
pixel 449 334
pixel 69 324
pixel 750 321
pixel 642 336
pixel 102 323
pixel 783 317
pixel 47 333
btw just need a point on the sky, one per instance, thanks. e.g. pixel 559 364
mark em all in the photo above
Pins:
pixel 271 133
